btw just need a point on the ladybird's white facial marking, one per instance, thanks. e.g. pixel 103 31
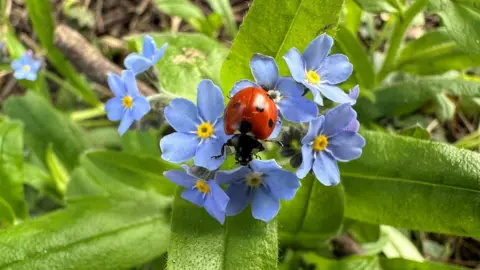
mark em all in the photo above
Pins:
pixel 275 95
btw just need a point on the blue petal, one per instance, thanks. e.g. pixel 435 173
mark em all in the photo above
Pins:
pixel 130 83
pixel 317 51
pixel 36 64
pixel 206 152
pixel 178 147
pixel 335 69
pixel 194 196
pixel 137 63
pixel 214 209
pixel 219 130
pixel 220 197
pixel 182 115
pixel 159 54
pixel 16 64
pixel 140 107
pixel 180 178
pixel 289 87
pixel 264 206
pixel 282 184
pixel 31 76
pixel 325 169
pixel 314 129
pixel 116 84
pixel 242 85
pixel 354 126
pixel 19 74
pixel 209 101
pixel 114 108
pixel 240 196
pixel 298 109
pixel 149 46
pixel 296 64
pixel 232 176
pixel 354 94
pixel 317 97
pixel 338 119
pixel 276 130
pixel 264 165
pixel 334 93
pixel 307 161
pixel 264 70
pixel 346 146
pixel 125 123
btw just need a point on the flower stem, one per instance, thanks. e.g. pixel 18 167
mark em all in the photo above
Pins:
pixel 399 30
pixel 88 113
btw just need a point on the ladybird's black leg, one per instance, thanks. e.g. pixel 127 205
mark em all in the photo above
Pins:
pixel 224 147
pixel 257 156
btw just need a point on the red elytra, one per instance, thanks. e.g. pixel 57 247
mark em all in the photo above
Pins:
pixel 253 106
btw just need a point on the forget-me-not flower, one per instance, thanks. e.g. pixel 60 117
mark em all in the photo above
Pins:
pixel 262 185
pixel 26 67
pixel 149 57
pixel 200 132
pixel 319 71
pixel 204 193
pixel 127 105
pixel 329 139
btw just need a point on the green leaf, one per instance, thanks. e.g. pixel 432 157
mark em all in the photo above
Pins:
pixel 40 14
pixel 377 6
pixel 199 242
pixel 39 179
pixel 11 171
pixel 59 174
pixel 352 16
pixel 414 184
pixel 416 132
pixel 373 263
pixel 188 59
pixel 462 20
pixel 306 220
pixel 435 53
pixel 273 29
pixel 399 245
pixel 141 143
pixel 445 108
pixel 223 8
pixel 406 96
pixel 362 65
pixel 92 234
pixel 45 125
pixel 181 8
pixel 110 169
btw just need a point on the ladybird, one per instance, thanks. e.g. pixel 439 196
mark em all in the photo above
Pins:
pixel 251 115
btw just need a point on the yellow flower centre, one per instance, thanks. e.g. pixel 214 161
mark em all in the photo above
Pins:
pixel 254 179
pixel 312 77
pixel 26 68
pixel 320 143
pixel 205 130
pixel 202 186
pixel 127 102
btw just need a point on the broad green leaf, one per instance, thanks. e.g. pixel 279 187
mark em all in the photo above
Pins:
pixel 374 263
pixel 462 20
pixel 123 175
pixel 223 8
pixel 59 174
pixel 274 28
pixel 307 220
pixel 184 9
pixel 414 184
pixel 141 143
pixel 377 6
pixel 40 14
pixel 7 215
pixel 188 59
pixel 92 234
pixel 199 242
pixel 45 125
pixel 416 132
pixel 435 53
pixel 105 137
pixel 362 65
pixel 11 171
pixel 352 16
pixel 406 96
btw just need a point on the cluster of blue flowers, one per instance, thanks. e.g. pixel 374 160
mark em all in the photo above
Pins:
pixel 128 105
pixel 200 131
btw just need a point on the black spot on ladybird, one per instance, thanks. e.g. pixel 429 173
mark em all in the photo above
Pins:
pixel 236 105
pixel 270 123
pixel 259 109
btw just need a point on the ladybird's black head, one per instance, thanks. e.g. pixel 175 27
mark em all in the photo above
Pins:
pixel 243 159
pixel 245 147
